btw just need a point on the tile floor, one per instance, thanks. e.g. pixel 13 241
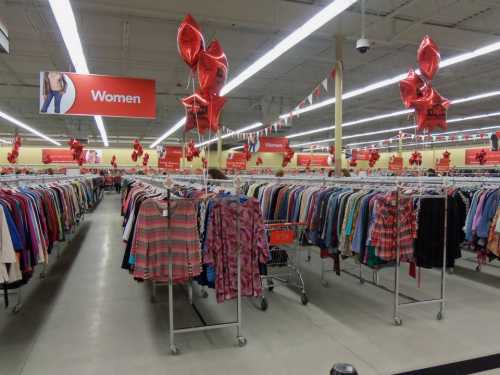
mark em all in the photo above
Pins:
pixel 89 317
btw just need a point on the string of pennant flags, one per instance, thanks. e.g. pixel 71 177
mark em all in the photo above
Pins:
pixel 319 90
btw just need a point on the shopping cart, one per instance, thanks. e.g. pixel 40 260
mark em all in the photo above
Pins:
pixel 284 248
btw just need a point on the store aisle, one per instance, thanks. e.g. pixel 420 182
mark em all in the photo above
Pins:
pixel 89 317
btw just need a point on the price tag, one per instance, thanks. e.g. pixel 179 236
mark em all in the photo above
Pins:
pixel 165 213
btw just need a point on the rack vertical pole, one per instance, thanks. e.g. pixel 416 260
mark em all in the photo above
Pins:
pixel 339 76
pixel 445 245
pixel 397 319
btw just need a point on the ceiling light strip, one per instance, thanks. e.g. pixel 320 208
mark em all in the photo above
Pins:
pixel 65 18
pixel 460 119
pixel 317 21
pixel 246 128
pixel 494 47
pixel 21 124
pixel 398 113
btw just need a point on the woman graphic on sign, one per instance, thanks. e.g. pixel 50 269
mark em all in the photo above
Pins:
pixel 54 87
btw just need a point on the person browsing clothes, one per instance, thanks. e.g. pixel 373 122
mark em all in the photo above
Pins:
pixel 54 87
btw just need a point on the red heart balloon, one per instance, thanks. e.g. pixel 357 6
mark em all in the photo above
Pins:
pixel 212 69
pixel 411 88
pixel 134 156
pixel 190 41
pixel 428 57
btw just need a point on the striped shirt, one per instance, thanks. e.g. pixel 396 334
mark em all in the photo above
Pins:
pixel 166 230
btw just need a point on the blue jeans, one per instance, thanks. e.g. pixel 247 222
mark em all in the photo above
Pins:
pixel 57 95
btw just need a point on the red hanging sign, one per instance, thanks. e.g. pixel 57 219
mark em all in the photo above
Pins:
pixel 171 159
pixel 443 165
pixel 360 154
pixel 91 94
pixel 312 160
pixel 236 160
pixel 65 156
pixel 396 163
pixel 271 144
pixel 492 157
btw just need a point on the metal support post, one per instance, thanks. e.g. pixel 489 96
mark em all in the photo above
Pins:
pixel 219 149
pixel 339 76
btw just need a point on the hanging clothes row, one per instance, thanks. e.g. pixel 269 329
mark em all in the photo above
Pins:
pixel 33 216
pixel 361 220
pixel 482 223
pixel 199 230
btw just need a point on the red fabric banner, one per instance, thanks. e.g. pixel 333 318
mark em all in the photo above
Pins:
pixel 90 94
pixel 492 157
pixel 63 155
pixel 236 160
pixel 313 160
pixel 171 160
pixel 271 144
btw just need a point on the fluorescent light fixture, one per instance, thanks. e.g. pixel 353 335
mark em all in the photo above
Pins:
pixel 246 128
pixel 494 47
pixel 434 135
pixel 11 119
pixel 235 148
pixel 355 122
pixel 65 18
pixel 402 113
pixel 397 129
pixel 317 21
pixel 5 141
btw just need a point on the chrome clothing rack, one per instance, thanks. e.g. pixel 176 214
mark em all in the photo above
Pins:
pixel 165 184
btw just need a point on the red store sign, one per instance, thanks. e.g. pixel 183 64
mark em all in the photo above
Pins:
pixel 171 160
pixel 236 160
pixel 65 93
pixel 271 144
pixel 312 160
pixel 492 157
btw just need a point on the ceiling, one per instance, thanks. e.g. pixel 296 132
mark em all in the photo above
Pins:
pixel 138 38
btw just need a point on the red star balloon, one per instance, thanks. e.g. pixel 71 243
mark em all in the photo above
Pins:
pixel 212 69
pixel 428 57
pixel 190 41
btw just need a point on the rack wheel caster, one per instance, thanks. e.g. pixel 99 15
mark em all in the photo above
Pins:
pixel 263 304
pixel 270 288
pixel 478 269
pixel 304 299
pixel 324 283
pixel 174 350
pixel 308 258
pixel 361 281
pixel 16 309
pixel 42 275
pixel 242 341
pixel 398 321
pixel 439 316
pixel 204 294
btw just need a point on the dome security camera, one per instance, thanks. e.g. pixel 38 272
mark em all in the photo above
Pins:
pixel 363 45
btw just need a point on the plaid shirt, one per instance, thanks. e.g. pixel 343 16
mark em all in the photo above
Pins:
pixel 384 234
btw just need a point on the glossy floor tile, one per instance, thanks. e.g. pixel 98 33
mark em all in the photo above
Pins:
pixel 88 317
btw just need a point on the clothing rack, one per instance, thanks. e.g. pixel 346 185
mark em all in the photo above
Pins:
pixel 399 185
pixel 166 184
pixel 20 180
